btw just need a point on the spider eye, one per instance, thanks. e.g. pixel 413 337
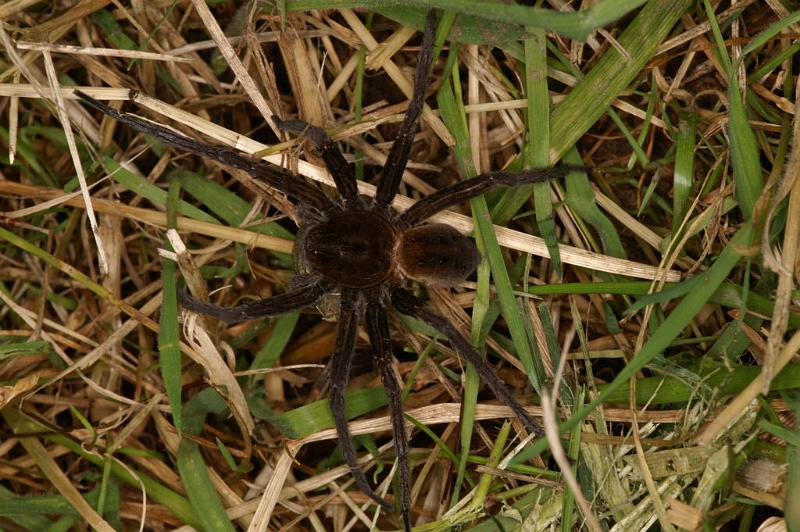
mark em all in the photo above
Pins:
pixel 437 254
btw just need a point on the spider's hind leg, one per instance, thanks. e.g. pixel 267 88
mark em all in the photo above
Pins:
pixel 378 330
pixel 407 303
pixel 301 295
pixel 346 331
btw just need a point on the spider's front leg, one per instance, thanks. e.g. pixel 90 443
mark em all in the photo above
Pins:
pixel 340 170
pixel 397 159
pixel 346 331
pixel 273 175
pixel 469 188
pixel 407 303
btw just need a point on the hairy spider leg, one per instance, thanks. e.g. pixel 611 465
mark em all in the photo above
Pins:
pixel 306 295
pixel 407 303
pixel 380 339
pixel 480 184
pixel 401 147
pixel 341 171
pixel 273 175
pixel 350 308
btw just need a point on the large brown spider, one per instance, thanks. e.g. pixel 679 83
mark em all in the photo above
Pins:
pixel 364 250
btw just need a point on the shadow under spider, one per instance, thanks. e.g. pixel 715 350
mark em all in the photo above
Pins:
pixel 367 252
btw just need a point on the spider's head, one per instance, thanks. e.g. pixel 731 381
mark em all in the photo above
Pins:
pixel 436 254
pixel 352 249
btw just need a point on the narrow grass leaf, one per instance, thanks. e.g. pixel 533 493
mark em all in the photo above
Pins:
pixel 199 489
pixel 192 467
pixel 683 174
pixel 537 148
pixel 106 22
pixel 493 460
pixel 568 502
pixel 282 330
pixel 577 25
pixel 230 208
pixel 580 198
pixel 649 192
pixel 789 436
pixel 154 194
pixel 770 33
pixel 314 417
pixel 743 147
pixel 453 117
pixel 636 145
pixel 471 382
pixel 662 390
pixel 169 332
pixel 744 153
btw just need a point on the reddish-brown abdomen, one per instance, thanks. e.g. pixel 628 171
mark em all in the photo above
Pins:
pixel 436 254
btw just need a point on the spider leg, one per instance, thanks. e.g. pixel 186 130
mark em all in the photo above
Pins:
pixel 346 329
pixel 272 174
pixel 398 154
pixel 340 170
pixel 407 303
pixel 470 188
pixel 296 298
pixel 378 329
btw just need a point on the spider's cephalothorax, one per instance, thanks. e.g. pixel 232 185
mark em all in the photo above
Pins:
pixel 365 251
pixel 352 249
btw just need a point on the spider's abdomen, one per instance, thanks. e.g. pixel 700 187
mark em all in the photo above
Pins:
pixel 351 249
pixel 437 254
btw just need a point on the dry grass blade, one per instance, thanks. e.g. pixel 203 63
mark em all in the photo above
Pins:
pixel 104 52
pixel 787 270
pixel 73 151
pixel 234 62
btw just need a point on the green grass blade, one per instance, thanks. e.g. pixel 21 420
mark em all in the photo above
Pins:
pixel 314 417
pixel 192 467
pixel 580 198
pixel 472 383
pixel 724 383
pixel 154 194
pixel 282 331
pixel 536 150
pixel 683 175
pixel 768 34
pixel 453 117
pixel 169 331
pixel 230 208
pixel 743 146
pixel 577 25
pixel 199 489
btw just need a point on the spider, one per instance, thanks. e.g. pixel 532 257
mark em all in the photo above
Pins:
pixel 366 252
